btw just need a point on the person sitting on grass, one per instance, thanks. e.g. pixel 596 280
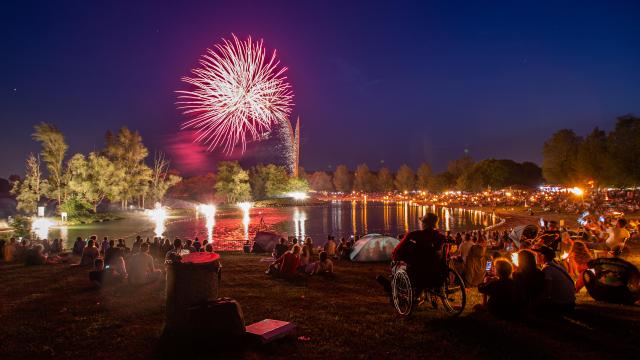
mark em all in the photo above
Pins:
pixel 98 274
pixel 208 248
pixel 502 301
pixel 9 250
pixel 559 295
pixel 330 247
pixel 142 269
pixel 287 265
pixel 280 248
pixel 579 257
pixel 343 249
pixel 114 259
pixel 174 255
pixel 324 266
pixel 529 280
pixel 89 254
pixel 35 256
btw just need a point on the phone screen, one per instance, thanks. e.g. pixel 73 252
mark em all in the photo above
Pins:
pixel 601 219
pixel 488 266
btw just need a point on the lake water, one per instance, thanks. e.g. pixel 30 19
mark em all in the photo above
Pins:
pixel 341 219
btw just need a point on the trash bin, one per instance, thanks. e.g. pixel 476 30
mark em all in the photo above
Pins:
pixel 191 282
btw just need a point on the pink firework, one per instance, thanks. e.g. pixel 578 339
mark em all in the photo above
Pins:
pixel 238 95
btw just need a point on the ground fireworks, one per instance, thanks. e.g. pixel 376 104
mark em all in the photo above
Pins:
pixel 238 94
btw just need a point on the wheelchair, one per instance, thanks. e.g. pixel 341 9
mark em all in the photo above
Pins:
pixel 406 297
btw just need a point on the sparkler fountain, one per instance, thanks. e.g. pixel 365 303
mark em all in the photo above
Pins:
pixel 158 215
pixel 209 212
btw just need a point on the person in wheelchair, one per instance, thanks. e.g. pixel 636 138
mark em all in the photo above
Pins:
pixel 420 252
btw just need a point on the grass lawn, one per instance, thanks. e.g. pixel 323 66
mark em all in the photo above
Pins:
pixel 52 311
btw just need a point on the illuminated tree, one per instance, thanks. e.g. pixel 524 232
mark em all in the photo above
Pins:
pixel 405 179
pixel 385 180
pixel 320 181
pixel 29 191
pixel 363 180
pixel 342 179
pixel 53 151
pixel 422 176
pixel 232 182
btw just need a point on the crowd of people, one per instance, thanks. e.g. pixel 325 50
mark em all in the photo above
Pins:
pixel 293 260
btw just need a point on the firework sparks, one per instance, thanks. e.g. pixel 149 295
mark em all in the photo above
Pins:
pixel 239 94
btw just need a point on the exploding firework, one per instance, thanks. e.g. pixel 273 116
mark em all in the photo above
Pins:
pixel 239 94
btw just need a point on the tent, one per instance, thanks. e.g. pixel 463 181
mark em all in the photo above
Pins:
pixel 373 247
pixel 529 232
pixel 265 241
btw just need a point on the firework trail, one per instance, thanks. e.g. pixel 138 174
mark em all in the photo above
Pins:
pixel 239 93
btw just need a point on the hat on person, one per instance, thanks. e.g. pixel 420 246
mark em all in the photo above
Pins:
pixel 430 219
pixel 546 251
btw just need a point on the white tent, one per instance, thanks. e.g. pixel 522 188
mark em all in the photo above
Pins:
pixel 265 241
pixel 373 247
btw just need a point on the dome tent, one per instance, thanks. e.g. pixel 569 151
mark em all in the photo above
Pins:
pixel 265 242
pixel 373 247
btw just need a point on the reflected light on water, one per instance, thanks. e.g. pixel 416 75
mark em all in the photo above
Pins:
pixel 158 215
pixel 299 217
pixel 209 212
pixel 447 220
pixel 40 226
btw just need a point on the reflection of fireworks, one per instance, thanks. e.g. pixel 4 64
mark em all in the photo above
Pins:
pixel 238 92
pixel 246 207
pixel 209 212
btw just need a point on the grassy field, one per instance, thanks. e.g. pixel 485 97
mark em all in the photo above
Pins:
pixel 52 311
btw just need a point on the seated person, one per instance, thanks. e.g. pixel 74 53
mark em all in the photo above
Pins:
pixel 421 252
pixel 97 275
pixel 330 247
pixel 287 265
pixel 35 256
pixel 324 266
pixel 142 269
pixel 343 249
pixel 114 260
pixel 89 254
pixel 529 280
pixel 501 291
pixel 559 294
pixel 280 248
pixel 474 266
pixel 175 254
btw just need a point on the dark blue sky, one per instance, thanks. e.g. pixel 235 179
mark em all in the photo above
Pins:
pixel 393 81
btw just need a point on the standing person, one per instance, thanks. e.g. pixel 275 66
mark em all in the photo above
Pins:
pixel 136 244
pixel 104 246
pixel 421 252
pixel 89 254
pixel 78 246
pixel 559 294
pixel 9 250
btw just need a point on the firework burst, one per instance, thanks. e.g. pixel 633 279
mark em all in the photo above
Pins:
pixel 238 94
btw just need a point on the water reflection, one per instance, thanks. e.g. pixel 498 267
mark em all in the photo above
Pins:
pixel 299 218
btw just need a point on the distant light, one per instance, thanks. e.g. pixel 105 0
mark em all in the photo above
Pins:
pixel 577 191
pixel 514 258
pixel 298 195
pixel 40 211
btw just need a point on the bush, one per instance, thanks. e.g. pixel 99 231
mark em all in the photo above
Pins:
pixel 75 208
pixel 21 226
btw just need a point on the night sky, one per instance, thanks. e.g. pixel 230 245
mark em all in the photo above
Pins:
pixel 398 82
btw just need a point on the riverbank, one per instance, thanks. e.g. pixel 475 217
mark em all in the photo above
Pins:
pixel 52 311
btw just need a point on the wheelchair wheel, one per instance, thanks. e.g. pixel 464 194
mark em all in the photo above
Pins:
pixel 454 298
pixel 402 293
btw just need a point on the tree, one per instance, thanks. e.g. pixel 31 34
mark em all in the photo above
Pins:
pixel 53 151
pixel 92 179
pixel 423 175
pixel 232 182
pixel 593 160
pixel 127 152
pixel 459 166
pixel 405 179
pixel 320 181
pixel 385 180
pixel 342 179
pixel 559 155
pixel 363 179
pixel 624 143
pixel 297 184
pixel 29 191
pixel 161 179
pixel 268 181
pixel 197 188
pixel 442 182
